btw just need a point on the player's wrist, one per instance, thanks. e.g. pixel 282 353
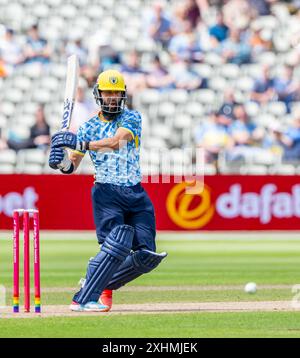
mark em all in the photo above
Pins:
pixel 82 146
pixel 68 170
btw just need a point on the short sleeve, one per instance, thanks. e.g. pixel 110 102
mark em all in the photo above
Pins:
pixel 81 137
pixel 132 123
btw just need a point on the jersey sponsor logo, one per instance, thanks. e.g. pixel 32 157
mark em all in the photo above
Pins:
pixel 190 211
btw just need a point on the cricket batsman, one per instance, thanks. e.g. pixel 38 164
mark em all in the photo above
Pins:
pixel 123 212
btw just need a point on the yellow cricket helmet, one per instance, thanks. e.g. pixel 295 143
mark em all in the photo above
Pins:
pixel 110 80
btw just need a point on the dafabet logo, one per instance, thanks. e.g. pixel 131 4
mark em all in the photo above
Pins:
pixel 13 200
pixel 190 211
pixel 194 211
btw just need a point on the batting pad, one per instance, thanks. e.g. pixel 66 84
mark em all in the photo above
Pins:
pixel 101 268
pixel 135 265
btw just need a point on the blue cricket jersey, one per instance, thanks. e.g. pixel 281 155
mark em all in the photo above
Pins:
pixel 121 166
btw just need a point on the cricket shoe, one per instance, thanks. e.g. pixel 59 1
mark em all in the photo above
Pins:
pixel 88 307
pixel 106 298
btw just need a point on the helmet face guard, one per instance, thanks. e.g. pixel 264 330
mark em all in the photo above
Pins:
pixel 108 81
pixel 106 105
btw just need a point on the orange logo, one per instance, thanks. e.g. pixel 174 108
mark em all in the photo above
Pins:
pixel 190 211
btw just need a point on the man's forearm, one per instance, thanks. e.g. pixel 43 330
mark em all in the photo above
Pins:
pixel 75 160
pixel 70 140
pixel 106 144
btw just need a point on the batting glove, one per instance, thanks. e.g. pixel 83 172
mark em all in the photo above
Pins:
pixel 69 140
pixel 59 159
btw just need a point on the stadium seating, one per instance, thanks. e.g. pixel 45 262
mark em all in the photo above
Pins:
pixel 170 116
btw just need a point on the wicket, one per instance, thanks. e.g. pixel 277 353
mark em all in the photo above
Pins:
pixel 16 258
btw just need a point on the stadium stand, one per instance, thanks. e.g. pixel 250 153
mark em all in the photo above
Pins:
pixel 197 57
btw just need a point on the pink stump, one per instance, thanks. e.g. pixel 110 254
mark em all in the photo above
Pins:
pixel 16 258
pixel 37 281
pixel 26 262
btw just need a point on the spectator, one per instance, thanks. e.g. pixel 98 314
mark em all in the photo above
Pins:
pixel 84 107
pixel 40 131
pixel 194 9
pixel 90 75
pixel 286 87
pixel 15 139
pixel 185 77
pixel 131 64
pixel 263 89
pixel 260 40
pixel 39 134
pixel 262 7
pixel 220 30
pixel 229 103
pixel 213 137
pixel 134 76
pixel 291 140
pixel 11 52
pixel 159 27
pixel 186 46
pixel 245 135
pixel 158 77
pixel 243 131
pixel 108 58
pixel 233 50
pixel 178 19
pixel 76 48
pixel 274 139
pixel 37 48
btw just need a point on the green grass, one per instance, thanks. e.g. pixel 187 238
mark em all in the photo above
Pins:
pixel 190 261
pixel 182 296
pixel 190 325
pixel 194 259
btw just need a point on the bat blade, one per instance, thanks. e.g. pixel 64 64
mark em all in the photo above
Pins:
pixel 70 92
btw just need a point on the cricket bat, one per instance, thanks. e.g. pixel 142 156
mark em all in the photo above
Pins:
pixel 70 92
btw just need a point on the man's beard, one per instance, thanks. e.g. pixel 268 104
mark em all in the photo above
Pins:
pixel 112 109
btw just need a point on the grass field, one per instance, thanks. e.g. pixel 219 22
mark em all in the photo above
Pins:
pixel 200 268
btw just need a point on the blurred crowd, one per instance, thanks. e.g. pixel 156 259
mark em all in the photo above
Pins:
pixel 183 36
pixel 241 139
